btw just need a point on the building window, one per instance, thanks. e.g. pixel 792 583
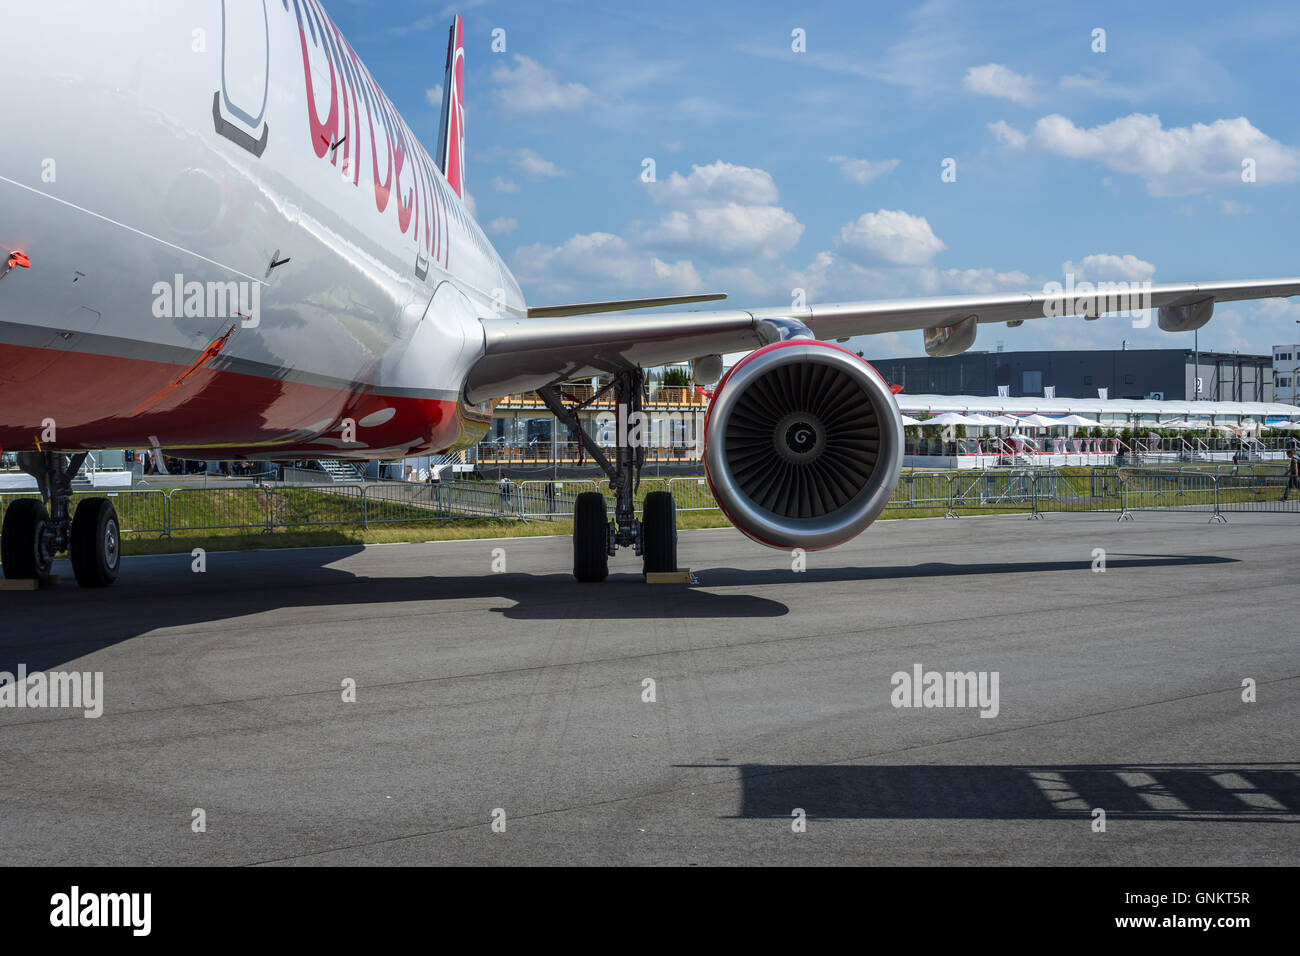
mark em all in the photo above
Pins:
pixel 1087 380
pixel 1033 383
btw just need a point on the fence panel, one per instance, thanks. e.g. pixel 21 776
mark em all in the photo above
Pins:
pixel 1055 492
pixel 552 499
pixel 217 509
pixel 138 512
pixel 922 490
pixel 1259 489
pixel 317 506
pixel 692 494
pixel 992 490
pixel 1168 490
pixel 411 502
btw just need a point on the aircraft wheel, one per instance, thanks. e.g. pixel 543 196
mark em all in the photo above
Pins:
pixel 590 537
pixel 659 532
pixel 96 543
pixel 20 541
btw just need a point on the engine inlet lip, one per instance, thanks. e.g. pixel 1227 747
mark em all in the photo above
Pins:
pixel 828 530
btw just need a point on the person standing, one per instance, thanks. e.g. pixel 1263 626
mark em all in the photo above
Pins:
pixel 1292 473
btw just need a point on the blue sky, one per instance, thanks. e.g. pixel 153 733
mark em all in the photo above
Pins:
pixel 821 169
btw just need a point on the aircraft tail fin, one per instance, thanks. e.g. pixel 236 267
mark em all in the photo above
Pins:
pixel 451 128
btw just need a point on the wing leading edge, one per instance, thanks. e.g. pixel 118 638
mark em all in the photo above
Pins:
pixel 522 354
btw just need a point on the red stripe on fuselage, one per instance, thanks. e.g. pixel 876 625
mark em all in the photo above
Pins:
pixel 92 398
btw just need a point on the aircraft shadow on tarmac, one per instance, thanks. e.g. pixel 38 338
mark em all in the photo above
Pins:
pixel 48 628
pixel 1184 791
pixel 1114 561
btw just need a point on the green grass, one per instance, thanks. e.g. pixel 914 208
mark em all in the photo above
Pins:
pixel 236 518
pixel 457 530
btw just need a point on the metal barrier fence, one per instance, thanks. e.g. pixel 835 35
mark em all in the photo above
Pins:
pixel 144 512
pixel 1216 493
pixel 1035 493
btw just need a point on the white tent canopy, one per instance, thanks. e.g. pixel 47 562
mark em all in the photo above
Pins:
pixel 950 418
pixel 1078 421
pixel 1040 421
pixel 1148 408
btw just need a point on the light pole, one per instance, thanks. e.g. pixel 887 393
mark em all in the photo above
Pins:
pixel 1196 376
pixel 1295 355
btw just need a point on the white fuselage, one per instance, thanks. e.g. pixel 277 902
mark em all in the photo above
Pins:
pixel 153 154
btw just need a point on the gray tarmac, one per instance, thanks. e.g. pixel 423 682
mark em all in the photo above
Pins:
pixel 522 691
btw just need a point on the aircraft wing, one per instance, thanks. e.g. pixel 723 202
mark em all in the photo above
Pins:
pixel 525 353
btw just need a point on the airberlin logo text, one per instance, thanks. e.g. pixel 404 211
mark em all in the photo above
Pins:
pixel 208 300
pixel 75 909
pixel 946 689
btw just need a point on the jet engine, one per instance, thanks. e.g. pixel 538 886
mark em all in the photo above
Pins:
pixel 803 444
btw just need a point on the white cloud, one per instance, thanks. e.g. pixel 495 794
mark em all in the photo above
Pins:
pixel 531 88
pixel 975 281
pixel 415 26
pixel 504 185
pixel 893 236
pixel 1096 83
pixel 503 226
pixel 1279 309
pixel 1105 267
pixel 833 277
pixel 994 79
pixel 1174 161
pixel 530 164
pixel 715 183
pixel 723 211
pixel 434 96
pixel 863 171
pixel 729 229
pixel 745 280
pixel 601 258
pixel 1009 135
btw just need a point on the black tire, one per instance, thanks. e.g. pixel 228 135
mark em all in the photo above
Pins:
pixel 590 538
pixel 96 545
pixel 659 532
pixel 19 549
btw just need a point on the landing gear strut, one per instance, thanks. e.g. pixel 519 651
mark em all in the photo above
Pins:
pixel 595 538
pixel 34 531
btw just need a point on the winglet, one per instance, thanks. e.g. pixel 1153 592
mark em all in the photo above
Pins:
pixel 451 127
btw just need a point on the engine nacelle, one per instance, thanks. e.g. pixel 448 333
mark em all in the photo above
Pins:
pixel 803 444
pixel 942 341
pixel 1184 318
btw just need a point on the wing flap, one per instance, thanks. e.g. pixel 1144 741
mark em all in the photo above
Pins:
pixel 619 305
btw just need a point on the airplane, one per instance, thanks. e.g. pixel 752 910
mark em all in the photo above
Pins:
pixel 220 238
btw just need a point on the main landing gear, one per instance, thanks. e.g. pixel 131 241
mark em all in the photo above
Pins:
pixel 595 537
pixel 36 529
